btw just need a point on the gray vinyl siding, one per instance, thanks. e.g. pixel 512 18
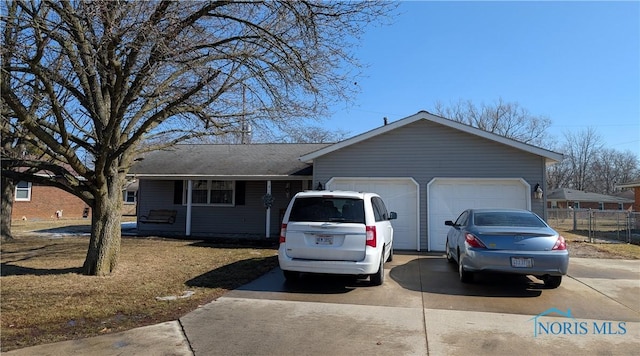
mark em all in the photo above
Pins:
pixel 248 220
pixel 425 150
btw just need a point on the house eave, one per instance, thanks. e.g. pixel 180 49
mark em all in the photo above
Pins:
pixel 219 177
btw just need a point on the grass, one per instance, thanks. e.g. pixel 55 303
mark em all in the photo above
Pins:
pixel 45 298
pixel 610 247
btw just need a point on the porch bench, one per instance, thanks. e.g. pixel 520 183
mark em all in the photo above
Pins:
pixel 159 216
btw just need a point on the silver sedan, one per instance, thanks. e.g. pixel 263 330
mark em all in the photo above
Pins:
pixel 509 241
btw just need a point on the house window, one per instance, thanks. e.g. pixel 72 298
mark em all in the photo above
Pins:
pixel 576 205
pixel 129 197
pixel 600 206
pixel 211 192
pixel 23 191
pixel 620 206
pixel 199 192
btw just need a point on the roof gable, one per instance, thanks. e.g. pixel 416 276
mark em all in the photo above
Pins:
pixel 550 157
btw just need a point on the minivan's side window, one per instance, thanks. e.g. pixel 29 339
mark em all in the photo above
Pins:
pixel 462 219
pixel 379 210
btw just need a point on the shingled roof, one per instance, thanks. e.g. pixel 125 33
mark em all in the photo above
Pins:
pixel 567 194
pixel 262 161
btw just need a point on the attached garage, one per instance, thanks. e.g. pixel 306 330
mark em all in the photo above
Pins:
pixel 428 169
pixel 448 197
pixel 400 195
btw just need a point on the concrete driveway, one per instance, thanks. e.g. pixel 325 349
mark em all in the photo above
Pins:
pixel 423 309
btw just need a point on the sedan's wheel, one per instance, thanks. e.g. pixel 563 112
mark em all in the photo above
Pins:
pixel 450 258
pixel 552 281
pixel 465 276
pixel 291 276
pixel 377 278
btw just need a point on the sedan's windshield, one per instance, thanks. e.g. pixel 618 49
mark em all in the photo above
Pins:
pixel 520 219
pixel 318 209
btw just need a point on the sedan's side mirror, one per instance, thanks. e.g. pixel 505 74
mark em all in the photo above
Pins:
pixel 393 215
pixel 449 223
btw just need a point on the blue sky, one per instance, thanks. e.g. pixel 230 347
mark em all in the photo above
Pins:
pixel 577 63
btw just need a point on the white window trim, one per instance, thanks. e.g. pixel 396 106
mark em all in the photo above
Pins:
pixel 233 194
pixel 28 189
pixel 126 195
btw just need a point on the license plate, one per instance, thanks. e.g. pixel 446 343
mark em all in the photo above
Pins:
pixel 521 262
pixel 324 240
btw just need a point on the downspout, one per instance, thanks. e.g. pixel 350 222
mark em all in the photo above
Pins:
pixel 268 224
pixel 189 200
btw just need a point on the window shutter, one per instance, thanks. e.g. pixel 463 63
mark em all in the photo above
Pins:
pixel 177 191
pixel 240 192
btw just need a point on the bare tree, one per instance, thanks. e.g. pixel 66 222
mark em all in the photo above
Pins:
pixel 581 149
pixel 559 175
pixel 110 75
pixel 589 166
pixel 507 119
pixel 611 167
pixel 303 134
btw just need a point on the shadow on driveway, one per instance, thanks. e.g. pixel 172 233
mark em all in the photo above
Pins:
pixel 433 274
pixel 307 284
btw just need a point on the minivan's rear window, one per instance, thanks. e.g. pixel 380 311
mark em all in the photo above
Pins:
pixel 318 209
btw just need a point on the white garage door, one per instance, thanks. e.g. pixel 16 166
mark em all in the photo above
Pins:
pixel 400 195
pixel 449 197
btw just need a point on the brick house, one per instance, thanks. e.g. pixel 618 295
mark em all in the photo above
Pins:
pixel 635 185
pixel 564 198
pixel 38 202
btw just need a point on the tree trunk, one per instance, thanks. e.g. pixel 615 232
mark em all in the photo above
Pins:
pixel 104 245
pixel 8 191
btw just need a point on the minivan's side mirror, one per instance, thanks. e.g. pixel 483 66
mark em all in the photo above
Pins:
pixel 393 215
pixel 449 223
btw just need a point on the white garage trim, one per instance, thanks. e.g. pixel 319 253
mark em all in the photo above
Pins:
pixel 352 183
pixel 442 203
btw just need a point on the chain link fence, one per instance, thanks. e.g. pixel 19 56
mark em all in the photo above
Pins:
pixel 603 224
pixel 598 224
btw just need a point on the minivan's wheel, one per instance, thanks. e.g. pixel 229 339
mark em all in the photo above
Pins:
pixel 377 278
pixel 465 276
pixel 552 281
pixel 450 258
pixel 291 276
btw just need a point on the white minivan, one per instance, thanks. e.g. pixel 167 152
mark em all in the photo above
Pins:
pixel 336 232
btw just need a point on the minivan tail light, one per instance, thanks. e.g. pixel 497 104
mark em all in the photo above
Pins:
pixel 371 236
pixel 473 241
pixel 560 244
pixel 283 233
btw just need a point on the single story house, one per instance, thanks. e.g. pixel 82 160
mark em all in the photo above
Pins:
pixel 39 202
pixel 565 198
pixel 427 168
pixel 635 185
pixel 34 201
